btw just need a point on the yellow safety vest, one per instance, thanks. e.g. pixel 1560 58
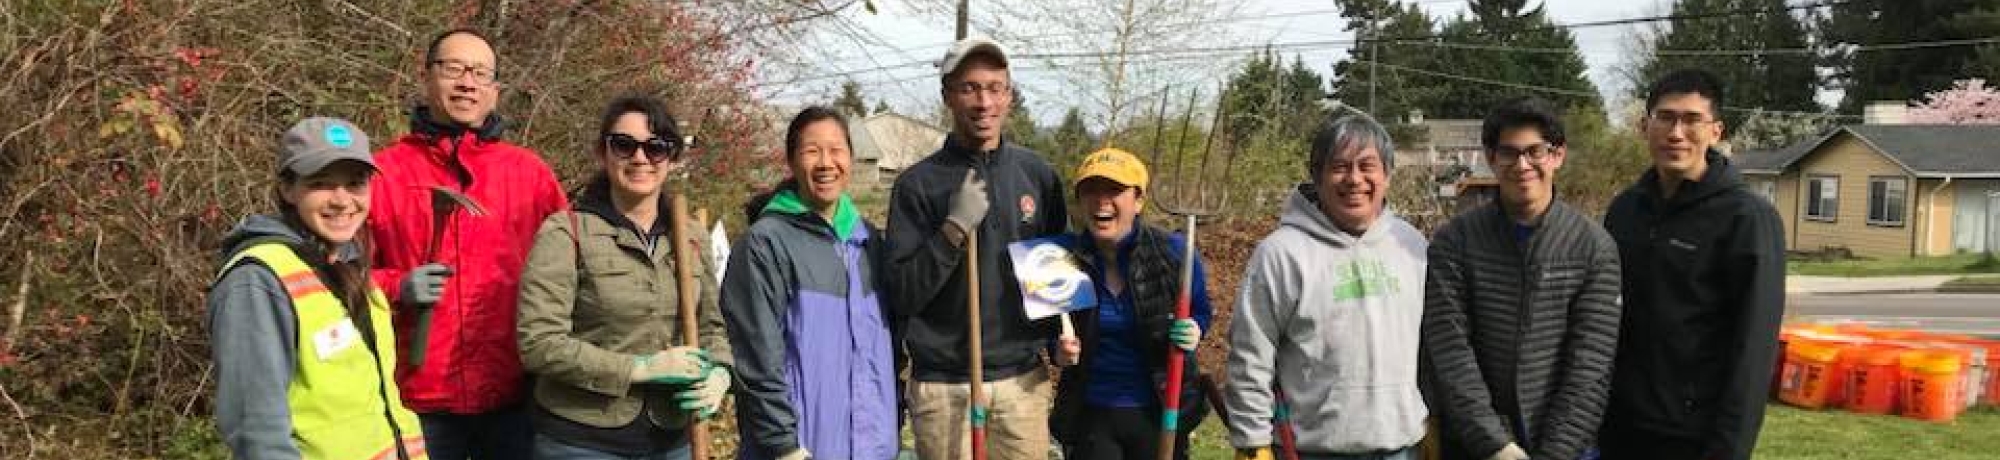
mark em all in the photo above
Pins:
pixel 343 397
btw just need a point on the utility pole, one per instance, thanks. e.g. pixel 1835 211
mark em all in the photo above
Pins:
pixel 1373 65
pixel 964 16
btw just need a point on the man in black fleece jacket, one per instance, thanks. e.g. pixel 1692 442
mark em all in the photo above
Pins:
pixel 1704 290
pixel 931 209
pixel 1520 306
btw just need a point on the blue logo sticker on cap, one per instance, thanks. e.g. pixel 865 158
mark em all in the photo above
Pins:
pixel 339 136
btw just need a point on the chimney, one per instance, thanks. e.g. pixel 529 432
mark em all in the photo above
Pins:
pixel 1886 113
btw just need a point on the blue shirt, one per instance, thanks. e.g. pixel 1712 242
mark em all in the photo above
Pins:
pixel 1118 376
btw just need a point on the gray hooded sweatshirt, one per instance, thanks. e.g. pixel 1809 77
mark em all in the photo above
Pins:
pixel 1332 319
pixel 253 337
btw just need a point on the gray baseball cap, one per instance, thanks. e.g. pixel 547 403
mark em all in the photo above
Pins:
pixel 969 47
pixel 316 142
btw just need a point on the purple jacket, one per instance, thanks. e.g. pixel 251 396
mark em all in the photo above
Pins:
pixel 814 356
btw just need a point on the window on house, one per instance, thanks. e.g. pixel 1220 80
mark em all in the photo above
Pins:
pixel 1886 197
pixel 1822 198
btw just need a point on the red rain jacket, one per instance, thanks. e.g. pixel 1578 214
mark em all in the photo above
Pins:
pixel 472 364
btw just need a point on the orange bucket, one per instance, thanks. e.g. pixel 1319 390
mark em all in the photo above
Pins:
pixel 1872 380
pixel 1931 380
pixel 1809 376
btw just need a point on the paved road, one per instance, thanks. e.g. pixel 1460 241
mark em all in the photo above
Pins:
pixel 1977 314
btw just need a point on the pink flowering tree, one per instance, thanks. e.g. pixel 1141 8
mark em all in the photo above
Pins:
pixel 1968 102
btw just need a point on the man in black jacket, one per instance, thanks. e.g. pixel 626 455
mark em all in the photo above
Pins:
pixel 1520 306
pixel 933 207
pixel 1704 290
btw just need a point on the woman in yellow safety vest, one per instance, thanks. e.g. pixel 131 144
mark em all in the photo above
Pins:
pixel 304 354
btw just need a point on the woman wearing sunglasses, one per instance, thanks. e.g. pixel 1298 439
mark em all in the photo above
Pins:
pixel 818 371
pixel 597 309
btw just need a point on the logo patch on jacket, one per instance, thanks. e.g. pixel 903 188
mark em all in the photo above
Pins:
pixel 1364 278
pixel 336 338
pixel 1027 209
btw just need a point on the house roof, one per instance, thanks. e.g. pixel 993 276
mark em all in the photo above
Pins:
pixel 899 140
pixel 1923 150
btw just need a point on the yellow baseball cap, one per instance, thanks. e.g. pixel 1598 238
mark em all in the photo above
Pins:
pixel 1110 163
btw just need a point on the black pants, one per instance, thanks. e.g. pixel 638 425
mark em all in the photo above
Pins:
pixel 1632 444
pixel 503 434
pixel 1124 434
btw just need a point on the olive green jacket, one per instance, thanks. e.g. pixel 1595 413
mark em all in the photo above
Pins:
pixel 584 319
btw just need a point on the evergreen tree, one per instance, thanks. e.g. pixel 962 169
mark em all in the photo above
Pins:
pixel 850 102
pixel 1776 81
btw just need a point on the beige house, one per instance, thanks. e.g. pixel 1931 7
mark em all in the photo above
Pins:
pixel 886 143
pixel 1885 190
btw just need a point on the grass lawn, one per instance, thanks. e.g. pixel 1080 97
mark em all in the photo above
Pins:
pixel 1791 433
pixel 1949 265
pixel 1972 284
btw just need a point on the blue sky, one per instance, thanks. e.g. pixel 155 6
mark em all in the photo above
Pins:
pixel 880 50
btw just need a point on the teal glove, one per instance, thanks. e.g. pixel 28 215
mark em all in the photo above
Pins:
pixel 675 366
pixel 704 398
pixel 1185 333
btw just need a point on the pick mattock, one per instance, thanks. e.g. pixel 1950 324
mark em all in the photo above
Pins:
pixel 1191 195
pixel 444 203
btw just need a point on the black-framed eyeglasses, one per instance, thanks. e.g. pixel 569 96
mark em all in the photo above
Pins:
pixel 1509 155
pixel 453 70
pixel 657 149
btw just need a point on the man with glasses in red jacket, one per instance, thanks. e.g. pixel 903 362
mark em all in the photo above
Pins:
pixel 454 275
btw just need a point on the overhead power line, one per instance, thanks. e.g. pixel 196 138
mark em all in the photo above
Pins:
pixel 1419 39
pixel 1572 92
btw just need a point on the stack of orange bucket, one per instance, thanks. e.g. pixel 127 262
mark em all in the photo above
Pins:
pixel 1931 384
pixel 1810 376
pixel 1873 379
pixel 1914 374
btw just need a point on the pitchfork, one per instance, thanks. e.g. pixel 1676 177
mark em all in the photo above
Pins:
pixel 1189 195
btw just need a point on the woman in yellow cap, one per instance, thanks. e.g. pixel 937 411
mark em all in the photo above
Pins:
pixel 304 355
pixel 1118 354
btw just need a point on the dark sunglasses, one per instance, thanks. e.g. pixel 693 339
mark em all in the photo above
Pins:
pixel 657 149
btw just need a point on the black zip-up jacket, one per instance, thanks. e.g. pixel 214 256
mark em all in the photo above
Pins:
pixel 925 279
pixel 1704 294
pixel 1520 335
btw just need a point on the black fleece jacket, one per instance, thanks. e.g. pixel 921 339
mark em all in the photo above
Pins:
pixel 925 277
pixel 1704 290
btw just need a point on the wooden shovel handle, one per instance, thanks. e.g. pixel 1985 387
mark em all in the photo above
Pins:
pixel 685 261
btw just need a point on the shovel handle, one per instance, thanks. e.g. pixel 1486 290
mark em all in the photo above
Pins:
pixel 684 263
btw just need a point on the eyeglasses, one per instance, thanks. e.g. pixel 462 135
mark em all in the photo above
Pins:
pixel 1508 155
pixel 968 89
pixel 453 70
pixel 1671 120
pixel 657 149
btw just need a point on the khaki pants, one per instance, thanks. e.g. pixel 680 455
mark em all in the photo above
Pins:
pixel 1017 423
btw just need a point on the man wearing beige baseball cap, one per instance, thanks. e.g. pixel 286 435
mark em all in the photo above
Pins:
pixel 976 183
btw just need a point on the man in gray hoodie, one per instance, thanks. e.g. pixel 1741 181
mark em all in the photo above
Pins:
pixel 1329 312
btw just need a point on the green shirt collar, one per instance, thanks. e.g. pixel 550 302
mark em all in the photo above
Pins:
pixel 845 216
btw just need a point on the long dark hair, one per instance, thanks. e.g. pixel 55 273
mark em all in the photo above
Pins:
pixel 348 279
pixel 793 131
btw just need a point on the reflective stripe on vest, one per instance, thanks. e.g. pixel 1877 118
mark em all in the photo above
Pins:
pixel 338 391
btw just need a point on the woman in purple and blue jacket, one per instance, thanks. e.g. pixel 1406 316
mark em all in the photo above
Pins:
pixel 812 342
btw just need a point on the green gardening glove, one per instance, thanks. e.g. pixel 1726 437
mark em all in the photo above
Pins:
pixel 674 366
pixel 1185 333
pixel 704 398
